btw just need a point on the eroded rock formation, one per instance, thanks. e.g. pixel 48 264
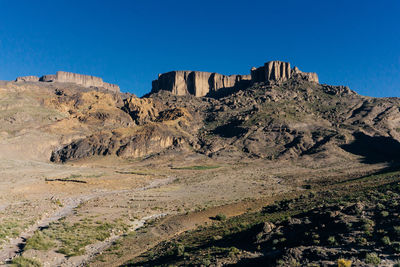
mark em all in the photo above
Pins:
pixel 85 80
pixel 27 79
pixel 197 83
pixel 200 83
pixel 68 77
pixel 278 72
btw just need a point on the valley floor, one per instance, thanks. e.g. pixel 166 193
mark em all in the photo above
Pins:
pixel 107 211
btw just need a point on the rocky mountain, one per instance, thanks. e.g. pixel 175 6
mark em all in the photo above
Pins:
pixel 200 83
pixel 270 168
pixel 276 112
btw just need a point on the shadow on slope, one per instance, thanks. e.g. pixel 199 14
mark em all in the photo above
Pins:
pixel 374 149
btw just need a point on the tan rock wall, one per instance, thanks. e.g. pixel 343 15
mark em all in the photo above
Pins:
pixel 308 76
pixel 278 72
pixel 48 78
pixel 196 83
pixel 27 79
pixel 84 80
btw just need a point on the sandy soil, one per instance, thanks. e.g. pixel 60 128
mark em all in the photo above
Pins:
pixel 132 192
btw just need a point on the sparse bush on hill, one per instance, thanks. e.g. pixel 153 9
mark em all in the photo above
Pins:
pixel 25 262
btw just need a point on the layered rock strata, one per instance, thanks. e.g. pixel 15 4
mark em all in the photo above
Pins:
pixel 68 77
pixel 200 83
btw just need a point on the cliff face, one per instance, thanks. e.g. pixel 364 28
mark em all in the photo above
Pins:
pixel 27 79
pixel 200 83
pixel 68 77
pixel 196 83
pixel 278 72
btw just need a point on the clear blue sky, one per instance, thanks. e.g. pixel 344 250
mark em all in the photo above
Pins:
pixel 128 42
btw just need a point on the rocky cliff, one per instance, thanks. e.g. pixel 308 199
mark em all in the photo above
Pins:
pixel 27 79
pixel 68 77
pixel 200 83
pixel 197 83
pixel 278 72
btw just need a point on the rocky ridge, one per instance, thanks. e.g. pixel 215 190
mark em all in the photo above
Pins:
pixel 68 77
pixel 281 113
pixel 200 83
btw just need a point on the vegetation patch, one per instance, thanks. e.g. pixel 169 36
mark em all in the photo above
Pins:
pixel 197 167
pixel 361 214
pixel 70 239
pixel 25 262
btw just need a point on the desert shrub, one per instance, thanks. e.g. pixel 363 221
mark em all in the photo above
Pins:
pixel 372 258
pixel 25 262
pixel 384 213
pixel 315 238
pixel 361 241
pixel 385 240
pixel 396 230
pixel 220 217
pixel 205 262
pixel 179 249
pixel 344 263
pixel 380 206
pixel 233 251
pixel 39 242
pixel 331 240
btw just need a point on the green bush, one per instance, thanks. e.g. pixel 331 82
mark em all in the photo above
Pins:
pixel 39 242
pixel 385 240
pixel 384 213
pixel 331 240
pixel 179 249
pixel 372 258
pixel 220 217
pixel 25 262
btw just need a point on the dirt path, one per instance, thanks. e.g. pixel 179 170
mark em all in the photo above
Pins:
pixel 14 247
pixel 171 226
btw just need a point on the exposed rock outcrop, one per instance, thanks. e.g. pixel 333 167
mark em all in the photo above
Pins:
pixel 27 79
pixel 48 78
pixel 197 83
pixel 278 72
pixel 308 76
pixel 140 110
pixel 68 77
pixel 200 83
pixel 85 80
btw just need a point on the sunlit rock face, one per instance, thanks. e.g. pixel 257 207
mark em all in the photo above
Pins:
pixel 196 83
pixel 27 79
pixel 200 83
pixel 278 72
pixel 69 77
